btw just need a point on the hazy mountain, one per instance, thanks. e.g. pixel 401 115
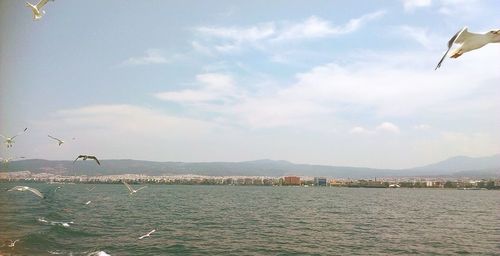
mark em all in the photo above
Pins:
pixel 461 166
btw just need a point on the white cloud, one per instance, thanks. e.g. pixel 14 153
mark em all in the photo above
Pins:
pixel 240 34
pixel 232 39
pixel 315 27
pixel 422 36
pixel 214 87
pixel 127 119
pixel 422 127
pixel 358 129
pixel 410 5
pixel 151 56
pixel 458 8
pixel 388 127
pixel 201 49
pixel 119 131
pixel 379 85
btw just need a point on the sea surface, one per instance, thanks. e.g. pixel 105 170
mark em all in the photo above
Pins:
pixel 248 220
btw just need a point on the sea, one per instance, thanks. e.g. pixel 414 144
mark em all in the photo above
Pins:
pixel 247 220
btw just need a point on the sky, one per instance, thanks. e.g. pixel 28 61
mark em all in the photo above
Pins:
pixel 319 82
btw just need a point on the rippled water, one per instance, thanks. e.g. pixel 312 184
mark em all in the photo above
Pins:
pixel 216 220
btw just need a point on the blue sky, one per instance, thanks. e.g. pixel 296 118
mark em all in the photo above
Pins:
pixel 324 82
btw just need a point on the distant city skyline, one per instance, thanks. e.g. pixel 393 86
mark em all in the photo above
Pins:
pixel 321 82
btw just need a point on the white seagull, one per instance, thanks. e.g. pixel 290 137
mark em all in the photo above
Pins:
pixel 10 140
pixel 25 188
pixel 88 202
pixel 37 9
pixel 7 160
pixel 469 41
pixel 90 189
pixel 130 189
pixel 148 234
pixel 59 141
pixel 12 243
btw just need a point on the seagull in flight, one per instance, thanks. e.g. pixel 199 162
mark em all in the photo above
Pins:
pixel 469 41
pixel 85 157
pixel 148 234
pixel 7 160
pixel 25 188
pixel 12 243
pixel 88 202
pixel 130 189
pixel 59 141
pixel 37 8
pixel 10 140
pixel 90 189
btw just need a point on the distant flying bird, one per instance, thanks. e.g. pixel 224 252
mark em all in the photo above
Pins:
pixel 58 140
pixel 12 243
pixel 88 202
pixel 90 189
pixel 99 253
pixel 130 189
pixel 148 234
pixel 24 188
pixel 469 41
pixel 37 8
pixel 6 161
pixel 85 157
pixel 10 140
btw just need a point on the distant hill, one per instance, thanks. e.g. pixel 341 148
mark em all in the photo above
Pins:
pixel 461 165
pixel 456 166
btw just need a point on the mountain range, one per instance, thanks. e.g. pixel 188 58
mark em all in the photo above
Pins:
pixel 460 166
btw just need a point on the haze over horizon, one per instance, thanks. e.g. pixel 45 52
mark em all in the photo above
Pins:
pixel 327 83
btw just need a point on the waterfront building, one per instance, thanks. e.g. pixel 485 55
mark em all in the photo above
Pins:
pixel 319 181
pixel 292 180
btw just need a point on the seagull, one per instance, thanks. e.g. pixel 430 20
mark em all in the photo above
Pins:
pixel 85 157
pixel 88 202
pixel 90 189
pixel 99 253
pixel 10 140
pixel 7 160
pixel 12 243
pixel 24 188
pixel 37 9
pixel 58 140
pixel 148 234
pixel 132 190
pixel 469 41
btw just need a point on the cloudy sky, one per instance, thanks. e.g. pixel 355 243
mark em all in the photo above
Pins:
pixel 323 82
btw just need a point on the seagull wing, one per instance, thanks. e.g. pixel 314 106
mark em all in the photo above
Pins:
pixel 463 35
pixel 3 136
pixel 128 186
pixel 25 129
pixel 142 188
pixel 95 158
pixel 151 232
pixel 41 4
pixel 54 138
pixel 15 188
pixel 36 192
pixel 80 156
pixel 459 37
